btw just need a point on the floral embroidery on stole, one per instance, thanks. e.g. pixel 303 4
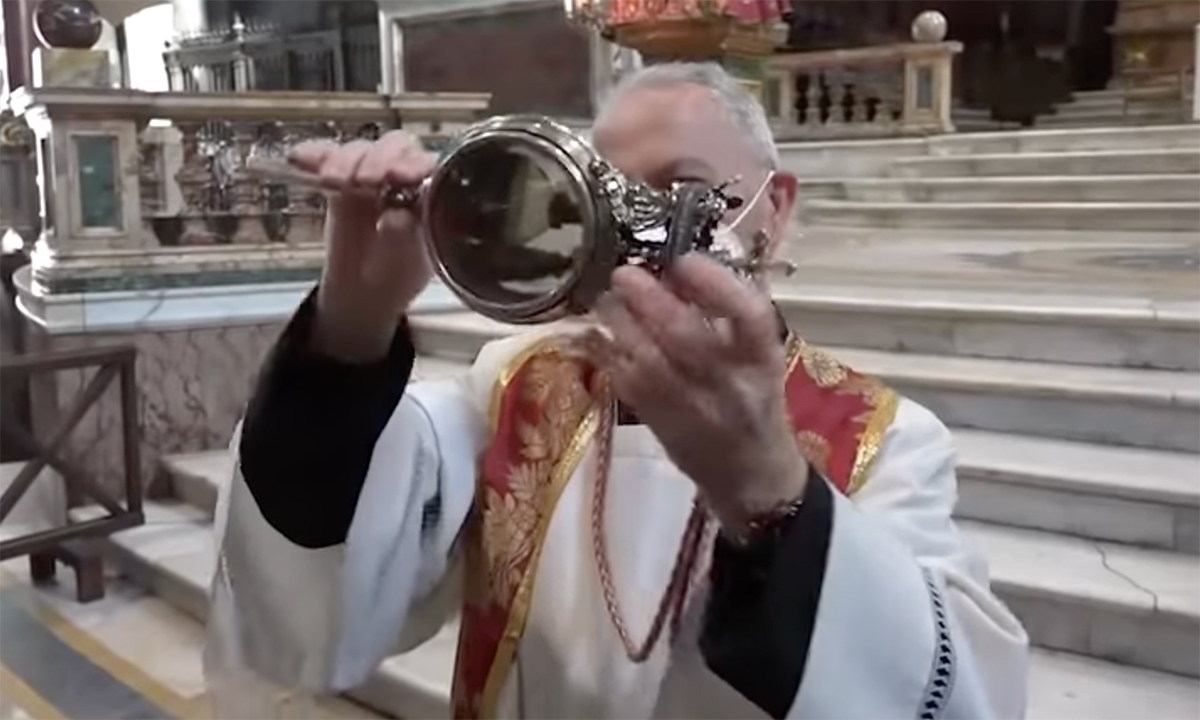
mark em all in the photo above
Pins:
pixel 544 415
pixel 839 415
pixel 545 411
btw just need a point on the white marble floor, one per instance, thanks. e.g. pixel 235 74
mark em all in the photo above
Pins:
pixel 136 638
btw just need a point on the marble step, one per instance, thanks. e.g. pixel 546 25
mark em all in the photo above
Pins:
pixel 1111 602
pixel 1083 329
pixel 1141 497
pixel 871 158
pixel 1166 92
pixel 1113 116
pixel 171 555
pixel 1108 405
pixel 1161 137
pixel 1032 189
pixel 1132 109
pixel 1122 266
pixel 1086 162
pixel 1066 686
pixel 1134 606
pixel 1148 498
pixel 1062 686
pixel 1105 405
pixel 1181 217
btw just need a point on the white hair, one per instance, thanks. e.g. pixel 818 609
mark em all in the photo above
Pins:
pixel 743 109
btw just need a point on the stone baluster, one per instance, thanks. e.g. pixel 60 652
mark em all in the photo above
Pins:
pixel 369 131
pixel 874 90
pixel 786 94
pixel 891 99
pixel 330 130
pixel 150 174
pixel 291 135
pixel 812 107
pixel 245 190
pixel 195 180
pixel 836 84
pixel 305 206
pixel 273 201
pixel 867 92
pixel 853 98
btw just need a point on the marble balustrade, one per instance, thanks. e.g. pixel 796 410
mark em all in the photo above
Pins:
pixel 149 189
pixel 155 236
pixel 882 91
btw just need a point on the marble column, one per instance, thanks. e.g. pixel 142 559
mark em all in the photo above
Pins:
pixel 1196 76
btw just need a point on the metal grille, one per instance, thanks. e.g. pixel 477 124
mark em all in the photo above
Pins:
pixel 341 59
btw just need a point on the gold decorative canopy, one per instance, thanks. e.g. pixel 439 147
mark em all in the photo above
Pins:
pixel 686 29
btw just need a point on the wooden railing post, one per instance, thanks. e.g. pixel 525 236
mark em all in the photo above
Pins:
pixel 74 543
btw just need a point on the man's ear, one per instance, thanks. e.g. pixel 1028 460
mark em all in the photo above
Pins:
pixel 782 193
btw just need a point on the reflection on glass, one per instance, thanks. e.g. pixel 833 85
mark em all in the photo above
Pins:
pixel 507 222
pixel 99 193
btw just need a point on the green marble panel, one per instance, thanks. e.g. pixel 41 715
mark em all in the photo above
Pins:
pixel 99 181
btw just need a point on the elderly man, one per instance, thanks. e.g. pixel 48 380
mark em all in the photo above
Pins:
pixel 760 531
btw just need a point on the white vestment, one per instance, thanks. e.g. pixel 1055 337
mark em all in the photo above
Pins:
pixel 902 603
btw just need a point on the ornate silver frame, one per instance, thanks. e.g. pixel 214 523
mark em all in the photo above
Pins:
pixel 624 221
pixel 620 217
pixel 577 158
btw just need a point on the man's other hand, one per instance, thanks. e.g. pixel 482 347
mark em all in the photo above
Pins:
pixel 699 358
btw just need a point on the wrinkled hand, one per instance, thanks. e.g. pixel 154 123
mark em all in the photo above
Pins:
pixel 699 359
pixel 375 262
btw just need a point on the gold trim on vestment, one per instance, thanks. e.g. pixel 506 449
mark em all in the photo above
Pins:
pixel 794 346
pixel 826 372
pixel 508 372
pixel 872 439
pixel 519 610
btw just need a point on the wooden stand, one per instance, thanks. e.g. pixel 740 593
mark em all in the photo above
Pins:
pixel 83 556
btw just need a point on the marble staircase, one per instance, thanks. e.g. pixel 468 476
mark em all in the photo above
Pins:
pixel 1079 479
pixel 1083 182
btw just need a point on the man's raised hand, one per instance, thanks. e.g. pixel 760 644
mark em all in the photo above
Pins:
pixel 375 263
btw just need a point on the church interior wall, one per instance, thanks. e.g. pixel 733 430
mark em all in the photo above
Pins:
pixel 193 385
pixel 530 58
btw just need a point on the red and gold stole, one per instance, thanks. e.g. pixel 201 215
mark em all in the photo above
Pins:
pixel 545 410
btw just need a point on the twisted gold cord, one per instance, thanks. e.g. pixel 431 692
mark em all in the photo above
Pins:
pixel 675 594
